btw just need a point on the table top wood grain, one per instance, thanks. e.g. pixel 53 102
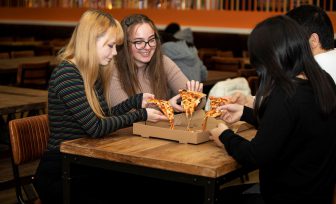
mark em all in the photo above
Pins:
pixel 11 65
pixel 204 159
pixel 15 100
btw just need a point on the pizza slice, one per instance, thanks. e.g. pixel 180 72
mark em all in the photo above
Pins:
pixel 166 108
pixel 190 100
pixel 215 102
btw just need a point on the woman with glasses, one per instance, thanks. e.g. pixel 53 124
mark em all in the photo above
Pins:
pixel 141 66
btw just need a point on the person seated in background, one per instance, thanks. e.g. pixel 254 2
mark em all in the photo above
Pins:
pixel 172 28
pixel 78 105
pixel 141 66
pixel 316 22
pixel 294 114
pixel 184 56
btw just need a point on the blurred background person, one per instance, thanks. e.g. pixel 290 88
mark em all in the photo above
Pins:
pixel 184 55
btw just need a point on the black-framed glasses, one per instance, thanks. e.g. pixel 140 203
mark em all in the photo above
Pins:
pixel 141 44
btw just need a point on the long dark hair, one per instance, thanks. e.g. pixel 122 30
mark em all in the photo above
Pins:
pixel 127 68
pixel 279 49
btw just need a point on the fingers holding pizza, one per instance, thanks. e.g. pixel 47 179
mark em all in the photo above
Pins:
pixel 145 98
pixel 215 111
pixel 231 113
pixel 154 115
pixel 166 108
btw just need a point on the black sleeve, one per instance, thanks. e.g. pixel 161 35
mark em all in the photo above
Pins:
pixel 276 124
pixel 248 116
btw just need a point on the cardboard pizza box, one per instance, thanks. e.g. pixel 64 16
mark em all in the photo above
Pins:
pixel 180 133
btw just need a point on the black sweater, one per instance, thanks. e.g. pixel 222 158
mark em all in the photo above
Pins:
pixel 70 115
pixel 294 148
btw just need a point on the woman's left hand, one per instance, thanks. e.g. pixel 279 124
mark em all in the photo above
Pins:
pixel 145 97
pixel 195 86
pixel 216 132
pixel 174 104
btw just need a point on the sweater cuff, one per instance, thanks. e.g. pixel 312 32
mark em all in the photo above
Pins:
pixel 138 99
pixel 226 136
pixel 144 115
pixel 247 113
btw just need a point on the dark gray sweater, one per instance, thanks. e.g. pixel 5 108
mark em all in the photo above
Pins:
pixel 70 115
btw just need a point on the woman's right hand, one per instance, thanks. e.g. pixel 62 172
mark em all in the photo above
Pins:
pixel 231 113
pixel 154 115
pixel 174 104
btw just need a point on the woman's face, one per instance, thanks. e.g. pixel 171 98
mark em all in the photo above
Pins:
pixel 143 44
pixel 106 47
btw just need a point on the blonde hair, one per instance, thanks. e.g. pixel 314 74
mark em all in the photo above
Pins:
pixel 82 49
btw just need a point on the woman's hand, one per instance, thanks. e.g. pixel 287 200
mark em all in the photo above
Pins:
pixel 216 132
pixel 195 86
pixel 174 104
pixel 231 113
pixel 145 98
pixel 242 99
pixel 155 115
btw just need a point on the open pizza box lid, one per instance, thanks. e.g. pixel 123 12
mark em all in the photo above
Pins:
pixel 180 133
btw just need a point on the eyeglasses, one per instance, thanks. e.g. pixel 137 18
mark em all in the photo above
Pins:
pixel 140 44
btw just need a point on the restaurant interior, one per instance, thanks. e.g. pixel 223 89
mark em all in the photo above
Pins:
pixel 33 32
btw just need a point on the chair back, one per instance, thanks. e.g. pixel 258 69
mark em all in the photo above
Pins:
pixel 227 53
pixel 226 64
pixel 28 137
pixel 33 75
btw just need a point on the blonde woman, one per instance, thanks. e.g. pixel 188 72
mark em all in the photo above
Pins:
pixel 77 104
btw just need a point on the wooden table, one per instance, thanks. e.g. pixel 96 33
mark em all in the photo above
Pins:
pixel 21 43
pixel 11 65
pixel 204 164
pixel 15 100
pixel 216 76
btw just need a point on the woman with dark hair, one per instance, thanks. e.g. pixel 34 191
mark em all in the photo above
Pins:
pixel 141 66
pixel 295 117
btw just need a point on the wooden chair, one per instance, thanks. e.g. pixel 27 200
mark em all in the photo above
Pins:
pixel 22 53
pixel 205 55
pixel 33 75
pixel 226 64
pixel 28 138
pixel 227 53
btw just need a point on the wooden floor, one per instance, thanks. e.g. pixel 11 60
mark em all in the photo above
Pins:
pixel 8 196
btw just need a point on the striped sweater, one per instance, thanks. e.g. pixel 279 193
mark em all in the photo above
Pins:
pixel 70 115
